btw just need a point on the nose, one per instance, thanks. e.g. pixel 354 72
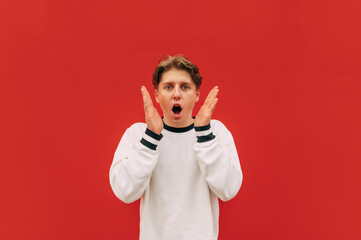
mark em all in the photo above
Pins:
pixel 177 93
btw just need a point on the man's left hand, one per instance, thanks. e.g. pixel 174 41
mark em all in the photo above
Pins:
pixel 205 112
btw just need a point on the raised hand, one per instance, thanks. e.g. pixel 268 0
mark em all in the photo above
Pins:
pixel 205 112
pixel 152 118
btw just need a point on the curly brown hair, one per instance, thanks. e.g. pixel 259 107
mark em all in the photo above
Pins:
pixel 177 61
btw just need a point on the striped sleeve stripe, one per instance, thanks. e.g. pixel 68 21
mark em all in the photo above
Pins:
pixel 203 133
pixel 148 144
pixel 152 134
pixel 203 130
pixel 151 139
pixel 205 138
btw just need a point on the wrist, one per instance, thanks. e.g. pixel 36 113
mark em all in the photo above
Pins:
pixel 154 134
pixel 201 123
pixel 204 133
pixel 151 139
pixel 155 131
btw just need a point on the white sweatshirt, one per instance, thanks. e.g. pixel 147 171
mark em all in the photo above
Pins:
pixel 179 176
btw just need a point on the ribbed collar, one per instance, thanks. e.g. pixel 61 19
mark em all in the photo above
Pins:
pixel 178 130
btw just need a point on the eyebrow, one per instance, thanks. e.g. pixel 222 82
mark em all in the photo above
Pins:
pixel 172 82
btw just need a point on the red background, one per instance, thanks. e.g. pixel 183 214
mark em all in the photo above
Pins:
pixel 290 93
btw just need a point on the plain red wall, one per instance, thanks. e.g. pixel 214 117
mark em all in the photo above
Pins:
pixel 289 76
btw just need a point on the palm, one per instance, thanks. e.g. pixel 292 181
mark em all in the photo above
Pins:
pixel 152 117
pixel 205 112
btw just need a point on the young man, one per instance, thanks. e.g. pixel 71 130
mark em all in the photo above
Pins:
pixel 179 165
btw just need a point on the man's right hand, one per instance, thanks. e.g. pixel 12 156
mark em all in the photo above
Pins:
pixel 152 118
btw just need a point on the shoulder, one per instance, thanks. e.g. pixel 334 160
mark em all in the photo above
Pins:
pixel 137 127
pixel 135 131
pixel 220 130
pixel 217 125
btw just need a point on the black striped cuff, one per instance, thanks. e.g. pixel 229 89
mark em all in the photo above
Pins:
pixel 205 138
pixel 203 128
pixel 204 133
pixel 148 144
pixel 151 139
pixel 152 134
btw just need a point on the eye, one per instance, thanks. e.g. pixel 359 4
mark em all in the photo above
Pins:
pixel 168 87
pixel 185 87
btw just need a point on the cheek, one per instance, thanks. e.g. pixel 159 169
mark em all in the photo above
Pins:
pixel 191 103
pixel 163 100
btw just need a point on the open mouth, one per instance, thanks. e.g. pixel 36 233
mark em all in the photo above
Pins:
pixel 176 109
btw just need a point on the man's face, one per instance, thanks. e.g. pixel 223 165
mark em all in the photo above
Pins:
pixel 176 95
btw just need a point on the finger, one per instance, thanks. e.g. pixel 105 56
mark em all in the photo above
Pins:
pixel 211 96
pixel 213 93
pixel 144 91
pixel 145 103
pixel 208 97
pixel 146 98
pixel 213 106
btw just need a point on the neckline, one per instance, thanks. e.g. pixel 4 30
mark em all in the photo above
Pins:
pixel 178 130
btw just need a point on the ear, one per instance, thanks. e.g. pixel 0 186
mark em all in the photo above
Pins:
pixel 156 95
pixel 198 93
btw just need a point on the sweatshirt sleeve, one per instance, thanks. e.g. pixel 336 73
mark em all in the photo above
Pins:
pixel 218 159
pixel 133 162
